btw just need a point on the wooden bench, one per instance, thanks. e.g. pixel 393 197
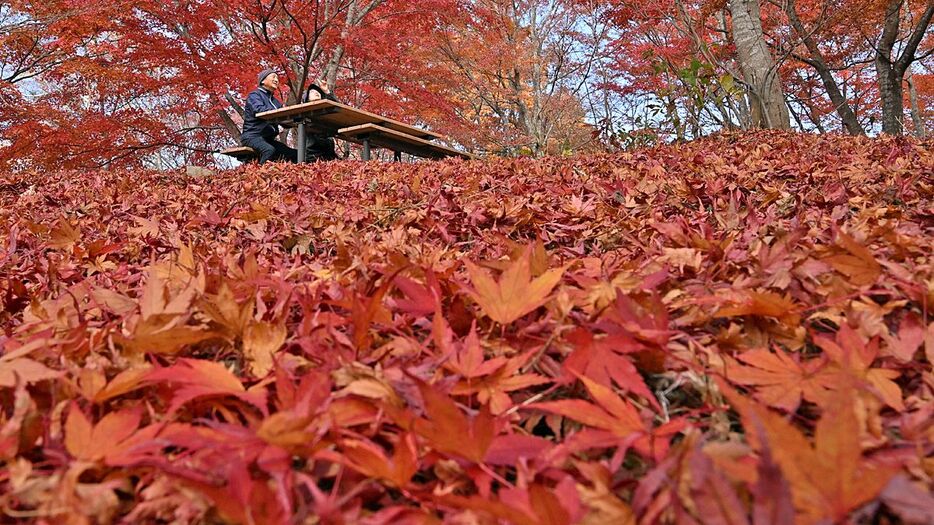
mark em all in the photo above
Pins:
pixel 375 135
pixel 241 153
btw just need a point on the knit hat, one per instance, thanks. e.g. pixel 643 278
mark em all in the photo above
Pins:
pixel 263 74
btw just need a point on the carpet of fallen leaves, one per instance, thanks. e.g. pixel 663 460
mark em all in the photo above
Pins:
pixel 732 331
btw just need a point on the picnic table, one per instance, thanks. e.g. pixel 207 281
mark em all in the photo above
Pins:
pixel 368 129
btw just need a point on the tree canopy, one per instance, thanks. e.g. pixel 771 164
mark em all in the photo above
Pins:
pixel 148 83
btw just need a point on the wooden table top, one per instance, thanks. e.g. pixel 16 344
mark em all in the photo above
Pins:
pixel 333 116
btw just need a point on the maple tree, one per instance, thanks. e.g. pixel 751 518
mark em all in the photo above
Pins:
pixel 731 330
pixel 835 65
pixel 515 72
pixel 143 83
pixel 140 83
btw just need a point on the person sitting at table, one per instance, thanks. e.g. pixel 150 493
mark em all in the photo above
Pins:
pixel 320 146
pixel 259 134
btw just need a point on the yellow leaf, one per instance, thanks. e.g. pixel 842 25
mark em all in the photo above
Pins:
pixel 829 479
pixel 224 310
pixel 186 258
pixel 767 304
pixel 113 301
pixel 373 388
pixel 516 293
pixel 78 432
pixel 682 257
pixel 286 429
pixel 26 369
pixel 158 335
pixel 153 300
pixel 858 264
pixel 260 341
pixel 124 382
pixel 146 227
pixel 64 236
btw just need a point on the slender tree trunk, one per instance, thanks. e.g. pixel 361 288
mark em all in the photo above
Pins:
pixel 769 109
pixel 229 125
pixel 844 111
pixel 916 117
pixel 357 10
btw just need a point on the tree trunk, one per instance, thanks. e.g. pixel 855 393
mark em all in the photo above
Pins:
pixel 890 70
pixel 844 111
pixel 357 10
pixel 916 118
pixel 892 95
pixel 759 69
pixel 229 125
pixel 890 82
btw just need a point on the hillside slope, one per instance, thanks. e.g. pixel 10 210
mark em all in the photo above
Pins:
pixel 735 330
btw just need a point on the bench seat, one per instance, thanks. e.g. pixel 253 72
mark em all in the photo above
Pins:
pixel 398 141
pixel 241 153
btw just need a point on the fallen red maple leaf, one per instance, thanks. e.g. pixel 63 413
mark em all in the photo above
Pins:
pixel 449 430
pixel 604 361
pixel 616 417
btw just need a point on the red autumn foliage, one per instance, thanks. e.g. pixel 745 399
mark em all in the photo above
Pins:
pixel 735 330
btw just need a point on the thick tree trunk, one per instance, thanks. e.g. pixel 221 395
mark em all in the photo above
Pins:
pixel 844 111
pixel 890 82
pixel 890 70
pixel 892 96
pixel 759 69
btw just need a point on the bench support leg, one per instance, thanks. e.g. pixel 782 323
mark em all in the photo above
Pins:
pixel 397 156
pixel 302 142
pixel 366 149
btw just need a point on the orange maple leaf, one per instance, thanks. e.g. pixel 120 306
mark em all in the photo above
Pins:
pixel 164 313
pixel 603 361
pixel 493 387
pixel 516 293
pixel 25 369
pixel 63 236
pixel 115 440
pixel 854 357
pixel 536 505
pixel 766 304
pixel 779 380
pixel 828 479
pixel 124 382
pixel 261 340
pixel 369 459
pixel 449 430
pixel 857 262
pixel 198 378
pixel 613 415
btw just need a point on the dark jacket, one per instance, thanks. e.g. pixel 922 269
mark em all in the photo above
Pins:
pixel 320 146
pixel 258 101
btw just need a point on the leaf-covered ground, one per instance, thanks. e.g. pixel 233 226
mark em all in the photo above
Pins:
pixel 736 330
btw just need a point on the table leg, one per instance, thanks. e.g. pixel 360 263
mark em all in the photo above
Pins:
pixel 302 141
pixel 366 149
